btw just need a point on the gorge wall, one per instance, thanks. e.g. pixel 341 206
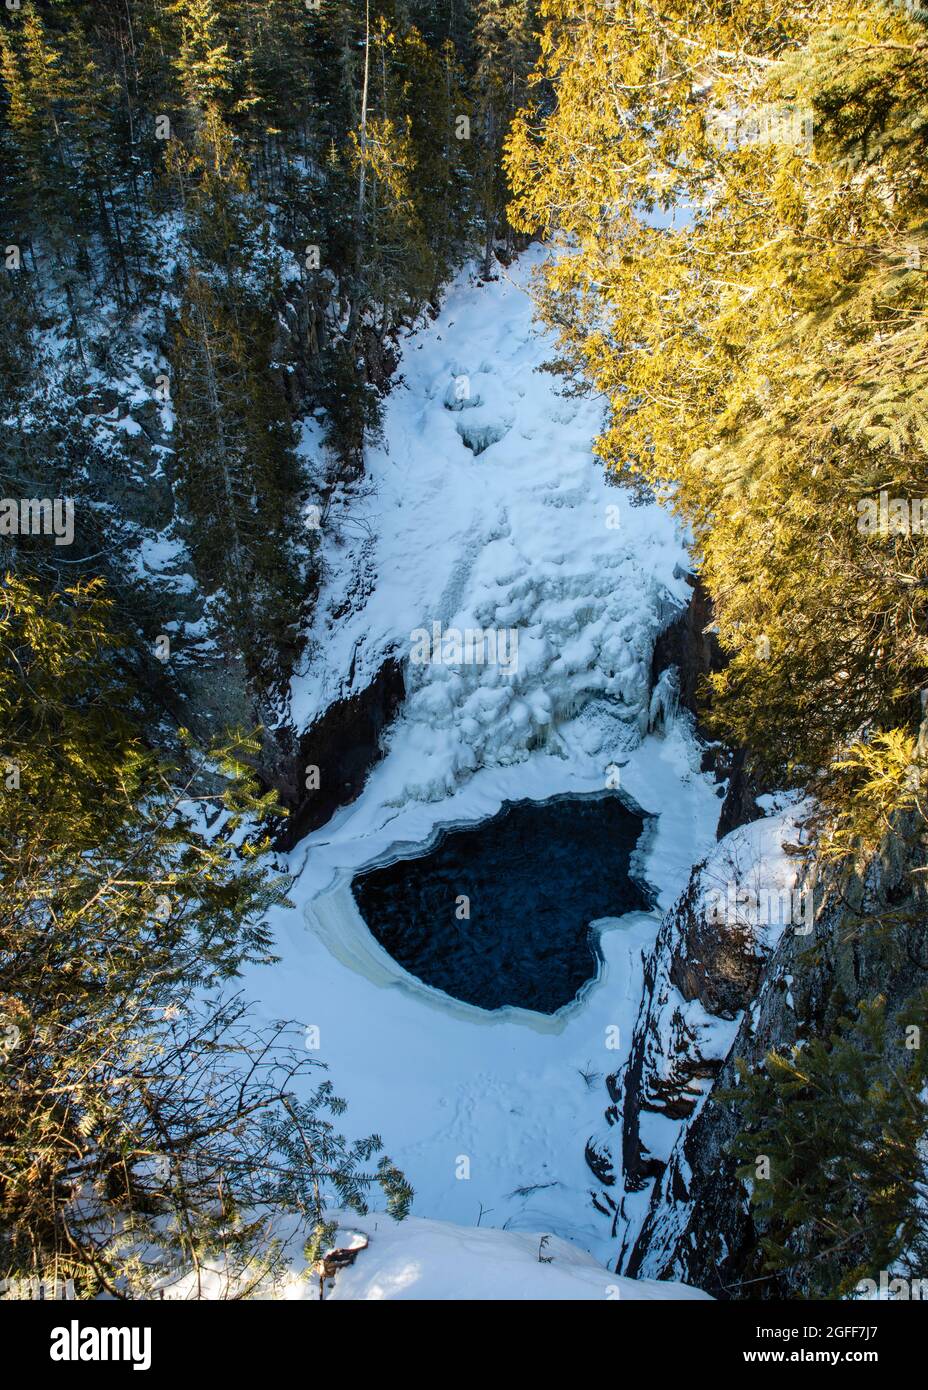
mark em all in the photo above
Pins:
pixel 719 991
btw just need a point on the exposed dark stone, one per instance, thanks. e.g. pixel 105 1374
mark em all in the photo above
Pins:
pixel 599 1164
pixel 381 357
pixel 344 744
pixel 716 963
pixel 740 804
pixel 718 966
pixel 699 1227
pixel 690 644
pixel 634 1163
pixel 334 1261
pixel 686 644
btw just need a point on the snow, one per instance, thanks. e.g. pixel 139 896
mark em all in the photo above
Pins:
pixel 431 1259
pixel 751 878
pixel 751 860
pixel 421 1259
pixel 487 1113
pixel 526 534
pixel 160 557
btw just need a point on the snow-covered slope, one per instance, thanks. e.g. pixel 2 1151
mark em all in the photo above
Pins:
pixel 433 1259
pixel 487 1114
pixel 484 508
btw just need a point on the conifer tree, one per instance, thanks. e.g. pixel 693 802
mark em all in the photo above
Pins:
pixel 145 1124
pixel 505 47
pixel 740 201
pixel 203 64
pixel 236 465
pixel 31 75
pixel 841 1194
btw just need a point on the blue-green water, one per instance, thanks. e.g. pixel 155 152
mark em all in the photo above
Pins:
pixel 500 913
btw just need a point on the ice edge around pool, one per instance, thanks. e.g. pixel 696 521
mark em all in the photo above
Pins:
pixel 335 918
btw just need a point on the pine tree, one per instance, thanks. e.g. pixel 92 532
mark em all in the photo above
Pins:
pixel 143 1120
pixel 742 297
pixel 203 64
pixel 839 1124
pixel 31 74
pixel 504 41
pixel 239 476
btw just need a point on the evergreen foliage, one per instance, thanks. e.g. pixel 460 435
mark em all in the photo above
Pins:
pixel 266 193
pixel 751 303
pixel 145 1125
pixel 843 1133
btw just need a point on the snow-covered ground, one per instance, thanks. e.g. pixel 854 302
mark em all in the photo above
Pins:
pixel 487 1113
pixel 416 1259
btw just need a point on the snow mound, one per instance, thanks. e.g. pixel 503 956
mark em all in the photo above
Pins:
pixel 417 1259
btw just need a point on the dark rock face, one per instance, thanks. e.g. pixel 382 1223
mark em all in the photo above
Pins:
pixel 720 966
pixel 714 967
pixel 740 804
pixel 599 1163
pixel 699 1226
pixel 690 644
pixel 673 1057
pixel 344 744
pixel 686 644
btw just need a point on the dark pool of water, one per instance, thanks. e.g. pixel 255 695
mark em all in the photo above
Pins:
pixel 534 876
